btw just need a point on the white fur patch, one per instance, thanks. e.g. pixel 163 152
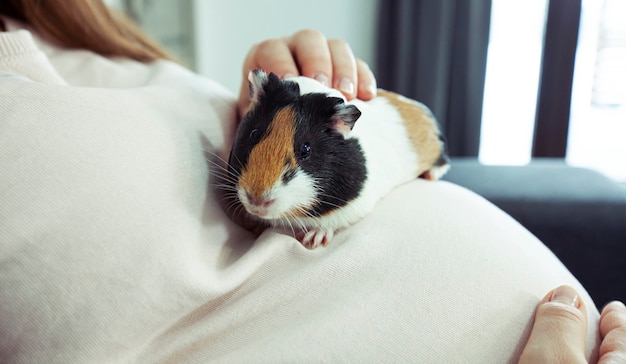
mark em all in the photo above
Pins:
pixel 299 194
pixel 309 85
pixel 256 81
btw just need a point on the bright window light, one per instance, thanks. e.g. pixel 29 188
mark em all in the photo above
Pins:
pixel 511 84
pixel 598 112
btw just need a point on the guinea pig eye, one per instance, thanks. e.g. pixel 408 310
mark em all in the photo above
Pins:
pixel 254 135
pixel 305 151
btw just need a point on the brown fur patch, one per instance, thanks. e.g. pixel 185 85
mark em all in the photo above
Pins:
pixel 268 158
pixel 421 127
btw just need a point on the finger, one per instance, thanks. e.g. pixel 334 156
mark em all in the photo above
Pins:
pixel 613 317
pixel 559 331
pixel 613 333
pixel 272 55
pixel 366 81
pixel 312 55
pixel 344 68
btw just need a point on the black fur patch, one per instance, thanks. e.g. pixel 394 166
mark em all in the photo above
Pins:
pixel 443 158
pixel 336 163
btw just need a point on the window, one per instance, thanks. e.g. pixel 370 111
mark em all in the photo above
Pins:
pixel 512 81
pixel 598 119
pixel 598 112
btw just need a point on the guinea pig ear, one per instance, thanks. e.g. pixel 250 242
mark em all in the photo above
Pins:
pixel 257 79
pixel 345 117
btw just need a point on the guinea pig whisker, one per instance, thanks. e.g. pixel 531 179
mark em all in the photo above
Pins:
pixel 293 216
pixel 218 166
pixel 229 194
pixel 223 167
pixel 301 223
pixel 213 154
pixel 224 174
pixel 232 206
pixel 333 197
pixel 303 210
pixel 285 221
pixel 232 201
pixel 239 210
pixel 225 187
pixel 223 177
pixel 212 161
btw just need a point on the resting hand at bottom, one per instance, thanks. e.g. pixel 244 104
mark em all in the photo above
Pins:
pixel 560 330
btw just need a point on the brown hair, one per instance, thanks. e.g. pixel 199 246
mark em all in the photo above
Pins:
pixel 85 24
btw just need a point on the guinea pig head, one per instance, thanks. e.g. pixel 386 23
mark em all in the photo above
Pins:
pixel 293 156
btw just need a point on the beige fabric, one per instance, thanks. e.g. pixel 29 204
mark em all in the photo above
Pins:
pixel 111 249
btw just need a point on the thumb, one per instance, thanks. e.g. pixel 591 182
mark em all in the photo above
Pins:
pixel 560 329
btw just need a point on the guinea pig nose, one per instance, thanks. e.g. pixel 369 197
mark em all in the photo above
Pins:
pixel 259 201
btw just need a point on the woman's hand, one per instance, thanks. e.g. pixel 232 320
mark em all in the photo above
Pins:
pixel 308 53
pixel 560 330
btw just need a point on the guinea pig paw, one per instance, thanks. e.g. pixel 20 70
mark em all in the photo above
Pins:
pixel 314 238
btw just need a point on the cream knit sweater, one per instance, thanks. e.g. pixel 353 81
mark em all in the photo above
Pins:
pixel 112 248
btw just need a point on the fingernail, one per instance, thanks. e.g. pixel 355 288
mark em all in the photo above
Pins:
pixel 614 306
pixel 346 86
pixel 288 75
pixel 371 88
pixel 322 78
pixel 566 295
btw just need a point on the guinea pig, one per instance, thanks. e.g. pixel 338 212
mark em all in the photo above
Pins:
pixel 305 159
